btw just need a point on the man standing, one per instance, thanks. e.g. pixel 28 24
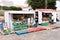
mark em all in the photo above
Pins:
pixel 36 21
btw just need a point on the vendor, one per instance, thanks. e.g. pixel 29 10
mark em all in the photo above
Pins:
pixel 32 22
pixel 29 22
pixel 36 21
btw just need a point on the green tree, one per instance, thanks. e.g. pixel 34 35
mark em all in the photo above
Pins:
pixel 0 7
pixel 15 8
pixel 10 8
pixel 41 4
pixel 5 8
pixel 51 4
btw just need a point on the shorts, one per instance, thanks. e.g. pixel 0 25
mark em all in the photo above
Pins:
pixel 1 25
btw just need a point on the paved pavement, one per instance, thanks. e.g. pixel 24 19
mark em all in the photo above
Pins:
pixel 53 34
pixel 57 24
pixel 40 35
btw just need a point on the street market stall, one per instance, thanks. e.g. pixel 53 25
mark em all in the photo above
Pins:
pixel 18 17
pixel 45 15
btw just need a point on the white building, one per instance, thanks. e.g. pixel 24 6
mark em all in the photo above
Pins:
pixel 58 4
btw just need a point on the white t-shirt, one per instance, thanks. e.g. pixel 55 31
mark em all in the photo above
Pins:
pixel 28 20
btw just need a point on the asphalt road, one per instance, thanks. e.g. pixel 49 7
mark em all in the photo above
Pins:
pixel 40 35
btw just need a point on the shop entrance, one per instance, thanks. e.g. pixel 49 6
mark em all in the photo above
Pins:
pixel 20 17
pixel 46 16
pixel 23 21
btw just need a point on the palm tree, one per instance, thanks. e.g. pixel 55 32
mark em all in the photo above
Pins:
pixel 45 4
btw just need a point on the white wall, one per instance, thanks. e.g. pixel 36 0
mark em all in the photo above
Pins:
pixel 39 17
pixel 54 16
pixel 7 19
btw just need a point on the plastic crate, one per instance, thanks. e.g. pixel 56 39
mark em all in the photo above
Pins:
pixel 21 32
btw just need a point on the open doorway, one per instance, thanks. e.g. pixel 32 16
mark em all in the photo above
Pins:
pixel 46 16
pixel 20 17
pixel 23 21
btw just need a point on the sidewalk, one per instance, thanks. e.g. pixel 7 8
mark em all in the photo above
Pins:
pixel 54 26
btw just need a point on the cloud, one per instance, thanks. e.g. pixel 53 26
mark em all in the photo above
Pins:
pixel 17 2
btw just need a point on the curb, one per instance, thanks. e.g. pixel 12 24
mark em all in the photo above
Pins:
pixel 29 30
pixel 35 30
pixel 53 27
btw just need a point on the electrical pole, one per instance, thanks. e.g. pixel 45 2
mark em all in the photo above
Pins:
pixel 46 4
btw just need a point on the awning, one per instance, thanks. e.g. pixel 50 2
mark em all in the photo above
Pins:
pixel 46 10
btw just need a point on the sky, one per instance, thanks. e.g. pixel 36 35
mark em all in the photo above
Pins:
pixel 17 2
